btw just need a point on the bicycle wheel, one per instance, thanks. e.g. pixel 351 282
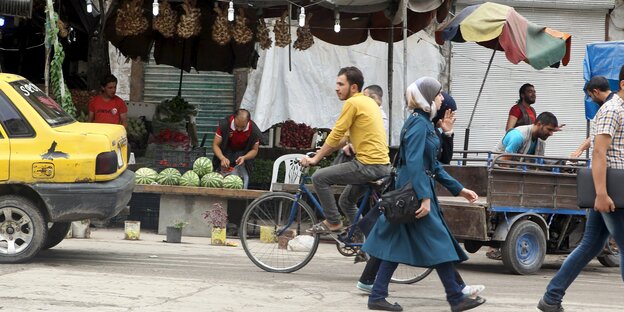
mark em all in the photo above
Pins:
pixel 407 274
pixel 262 220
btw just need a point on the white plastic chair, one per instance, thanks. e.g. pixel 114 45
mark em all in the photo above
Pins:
pixel 293 170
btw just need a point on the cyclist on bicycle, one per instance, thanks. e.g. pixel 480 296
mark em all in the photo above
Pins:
pixel 360 123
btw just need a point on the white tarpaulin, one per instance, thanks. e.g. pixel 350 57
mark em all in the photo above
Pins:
pixel 306 94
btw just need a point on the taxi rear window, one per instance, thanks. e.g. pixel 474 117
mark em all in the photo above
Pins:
pixel 51 111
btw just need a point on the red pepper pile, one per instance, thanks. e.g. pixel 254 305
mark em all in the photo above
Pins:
pixel 173 138
pixel 296 135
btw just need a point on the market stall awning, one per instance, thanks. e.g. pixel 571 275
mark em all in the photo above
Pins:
pixel 359 20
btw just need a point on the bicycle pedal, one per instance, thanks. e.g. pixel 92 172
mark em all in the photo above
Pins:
pixel 360 257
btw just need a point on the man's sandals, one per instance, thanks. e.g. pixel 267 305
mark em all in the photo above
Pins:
pixel 323 228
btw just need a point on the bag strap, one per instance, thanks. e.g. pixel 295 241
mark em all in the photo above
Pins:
pixel 398 158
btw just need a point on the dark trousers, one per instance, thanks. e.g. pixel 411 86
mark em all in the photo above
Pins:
pixel 370 271
pixel 450 278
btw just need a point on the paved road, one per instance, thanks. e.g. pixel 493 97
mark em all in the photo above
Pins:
pixel 107 273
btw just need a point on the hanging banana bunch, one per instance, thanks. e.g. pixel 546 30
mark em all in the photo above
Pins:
pixel 264 39
pixel 130 20
pixel 282 37
pixel 165 22
pixel 242 33
pixel 221 33
pixel 63 32
pixel 304 36
pixel 190 23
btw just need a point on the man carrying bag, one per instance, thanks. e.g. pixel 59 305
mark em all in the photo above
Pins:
pixel 606 218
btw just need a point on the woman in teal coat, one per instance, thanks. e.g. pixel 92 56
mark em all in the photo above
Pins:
pixel 427 242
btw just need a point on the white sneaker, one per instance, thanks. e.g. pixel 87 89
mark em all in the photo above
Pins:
pixel 473 290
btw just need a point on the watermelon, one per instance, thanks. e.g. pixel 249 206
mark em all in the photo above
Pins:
pixel 189 178
pixel 202 166
pixel 145 176
pixel 212 179
pixel 169 176
pixel 233 182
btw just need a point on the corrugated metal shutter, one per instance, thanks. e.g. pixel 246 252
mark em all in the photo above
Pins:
pixel 552 4
pixel 559 91
pixel 16 8
pixel 213 92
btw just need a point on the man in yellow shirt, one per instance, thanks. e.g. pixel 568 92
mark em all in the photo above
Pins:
pixel 361 119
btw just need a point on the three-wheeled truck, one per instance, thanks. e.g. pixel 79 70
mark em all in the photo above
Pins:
pixel 527 207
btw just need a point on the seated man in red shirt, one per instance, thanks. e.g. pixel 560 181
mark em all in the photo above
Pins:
pixel 107 107
pixel 235 145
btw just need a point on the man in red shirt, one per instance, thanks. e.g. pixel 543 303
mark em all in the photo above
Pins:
pixel 522 113
pixel 235 145
pixel 108 107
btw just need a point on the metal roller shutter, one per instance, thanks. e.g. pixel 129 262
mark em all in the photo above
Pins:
pixel 559 91
pixel 212 92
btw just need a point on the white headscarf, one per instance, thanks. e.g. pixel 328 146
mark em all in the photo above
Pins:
pixel 422 93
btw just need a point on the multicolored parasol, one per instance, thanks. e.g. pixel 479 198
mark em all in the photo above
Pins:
pixel 500 27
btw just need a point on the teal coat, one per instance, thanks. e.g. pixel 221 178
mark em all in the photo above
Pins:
pixel 428 241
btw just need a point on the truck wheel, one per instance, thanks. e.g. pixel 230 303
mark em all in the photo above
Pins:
pixel 610 257
pixel 23 230
pixel 56 233
pixel 525 248
pixel 472 246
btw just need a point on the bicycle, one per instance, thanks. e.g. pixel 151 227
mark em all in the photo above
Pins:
pixel 273 231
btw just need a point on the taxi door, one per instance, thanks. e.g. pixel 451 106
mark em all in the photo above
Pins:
pixel 5 155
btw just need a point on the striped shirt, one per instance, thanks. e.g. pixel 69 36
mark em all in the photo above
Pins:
pixel 610 120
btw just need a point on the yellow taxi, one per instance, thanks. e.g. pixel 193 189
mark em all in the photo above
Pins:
pixel 53 170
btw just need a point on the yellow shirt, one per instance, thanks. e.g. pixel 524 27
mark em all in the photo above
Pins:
pixel 361 118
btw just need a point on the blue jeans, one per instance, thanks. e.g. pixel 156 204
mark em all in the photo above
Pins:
pixel 450 278
pixel 597 230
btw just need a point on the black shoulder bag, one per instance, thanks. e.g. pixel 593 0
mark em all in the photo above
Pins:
pixel 399 206
pixel 586 193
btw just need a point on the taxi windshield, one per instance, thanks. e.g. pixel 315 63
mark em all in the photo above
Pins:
pixel 51 111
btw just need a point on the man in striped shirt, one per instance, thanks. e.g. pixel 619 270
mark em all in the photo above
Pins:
pixel 604 220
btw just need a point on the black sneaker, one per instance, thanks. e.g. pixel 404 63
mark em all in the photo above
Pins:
pixel 384 305
pixel 545 307
pixel 468 303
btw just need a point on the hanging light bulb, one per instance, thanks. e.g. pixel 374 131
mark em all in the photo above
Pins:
pixel 337 24
pixel 231 11
pixel 302 17
pixel 89 6
pixel 1 21
pixel 155 8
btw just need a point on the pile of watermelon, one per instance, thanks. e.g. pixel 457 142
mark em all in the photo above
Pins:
pixel 201 175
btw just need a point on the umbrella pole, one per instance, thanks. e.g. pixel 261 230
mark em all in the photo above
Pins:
pixel 474 108
pixel 404 13
pixel 390 79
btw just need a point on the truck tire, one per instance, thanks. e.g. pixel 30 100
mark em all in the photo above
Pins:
pixel 23 230
pixel 56 233
pixel 610 257
pixel 524 249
